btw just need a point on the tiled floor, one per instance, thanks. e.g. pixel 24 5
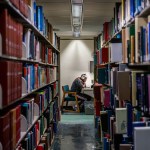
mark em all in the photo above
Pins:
pixel 76 132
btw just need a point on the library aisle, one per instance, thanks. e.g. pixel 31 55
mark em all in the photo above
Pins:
pixel 76 132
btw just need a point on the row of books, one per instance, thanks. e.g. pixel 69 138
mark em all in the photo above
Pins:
pixel 38 138
pixel 135 38
pixel 120 127
pixel 12 78
pixel 35 14
pixel 36 76
pixel 111 54
pixel 134 82
pixel 18 120
pixel 30 47
pixel 134 47
pixel 10 81
pixel 35 50
pixel 10 128
pixel 21 5
pixel 38 19
pixel 11 33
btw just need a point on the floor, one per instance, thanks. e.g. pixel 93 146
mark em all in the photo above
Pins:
pixel 76 132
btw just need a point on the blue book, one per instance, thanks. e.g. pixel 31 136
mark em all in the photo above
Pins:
pixel 34 9
pixel 137 124
pixel 139 3
pixel 144 44
pixel 105 143
pixel 25 111
pixel 112 98
pixel 109 113
pixel 138 7
pixel 148 41
pixel 39 17
pixel 95 59
pixel 132 8
pixel 138 90
pixel 129 119
pixel 102 75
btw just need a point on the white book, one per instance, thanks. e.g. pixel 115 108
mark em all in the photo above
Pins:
pixel 115 52
pixel 27 42
pixel 142 138
pixel 121 120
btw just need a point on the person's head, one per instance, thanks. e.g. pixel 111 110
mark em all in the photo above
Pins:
pixel 83 77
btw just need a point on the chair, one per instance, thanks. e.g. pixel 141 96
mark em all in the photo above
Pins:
pixel 69 96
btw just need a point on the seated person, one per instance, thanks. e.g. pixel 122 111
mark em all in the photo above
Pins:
pixel 78 84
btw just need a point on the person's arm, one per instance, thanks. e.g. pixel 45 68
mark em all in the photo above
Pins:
pixel 82 83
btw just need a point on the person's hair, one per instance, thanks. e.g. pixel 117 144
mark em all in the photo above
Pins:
pixel 83 76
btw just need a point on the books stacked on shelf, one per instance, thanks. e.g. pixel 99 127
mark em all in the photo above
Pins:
pixel 12 31
pixel 29 99
pixel 10 81
pixel 124 78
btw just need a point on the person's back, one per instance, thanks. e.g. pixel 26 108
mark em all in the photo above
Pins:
pixel 76 85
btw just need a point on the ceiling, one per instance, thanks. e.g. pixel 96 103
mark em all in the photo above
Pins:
pixel 95 13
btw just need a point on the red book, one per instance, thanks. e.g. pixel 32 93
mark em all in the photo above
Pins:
pixel 104 55
pixel 97 108
pixel 13 128
pixel 97 91
pixel 40 146
pixel 21 6
pixel 106 31
pixel 5 131
pixel 107 98
pixel 5 82
pixel 18 122
pixel 4 31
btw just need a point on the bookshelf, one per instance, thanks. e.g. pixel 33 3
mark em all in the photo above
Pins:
pixel 29 77
pixel 121 89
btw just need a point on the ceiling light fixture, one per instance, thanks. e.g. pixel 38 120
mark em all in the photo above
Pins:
pixel 76 16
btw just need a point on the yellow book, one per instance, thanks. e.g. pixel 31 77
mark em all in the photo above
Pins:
pixel 132 48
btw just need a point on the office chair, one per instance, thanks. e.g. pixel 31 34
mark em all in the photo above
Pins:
pixel 69 96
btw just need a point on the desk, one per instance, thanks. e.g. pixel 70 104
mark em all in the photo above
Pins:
pixel 88 91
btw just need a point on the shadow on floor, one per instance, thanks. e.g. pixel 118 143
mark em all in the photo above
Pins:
pixel 76 132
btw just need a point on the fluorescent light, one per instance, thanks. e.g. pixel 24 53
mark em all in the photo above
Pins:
pixel 76 34
pixel 76 1
pixel 76 28
pixel 76 21
pixel 76 10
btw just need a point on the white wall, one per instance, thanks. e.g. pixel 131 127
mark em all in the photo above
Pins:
pixel 75 57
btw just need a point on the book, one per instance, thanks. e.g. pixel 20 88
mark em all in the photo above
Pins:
pixel 104 55
pixel 139 21
pixel 115 50
pixel 5 131
pixel 4 46
pixel 123 80
pixel 141 138
pixel 5 83
pixel 13 129
pixel 125 147
pixel 102 75
pixel 121 120
pixel 129 119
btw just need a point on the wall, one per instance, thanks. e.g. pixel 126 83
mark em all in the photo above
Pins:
pixel 75 57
